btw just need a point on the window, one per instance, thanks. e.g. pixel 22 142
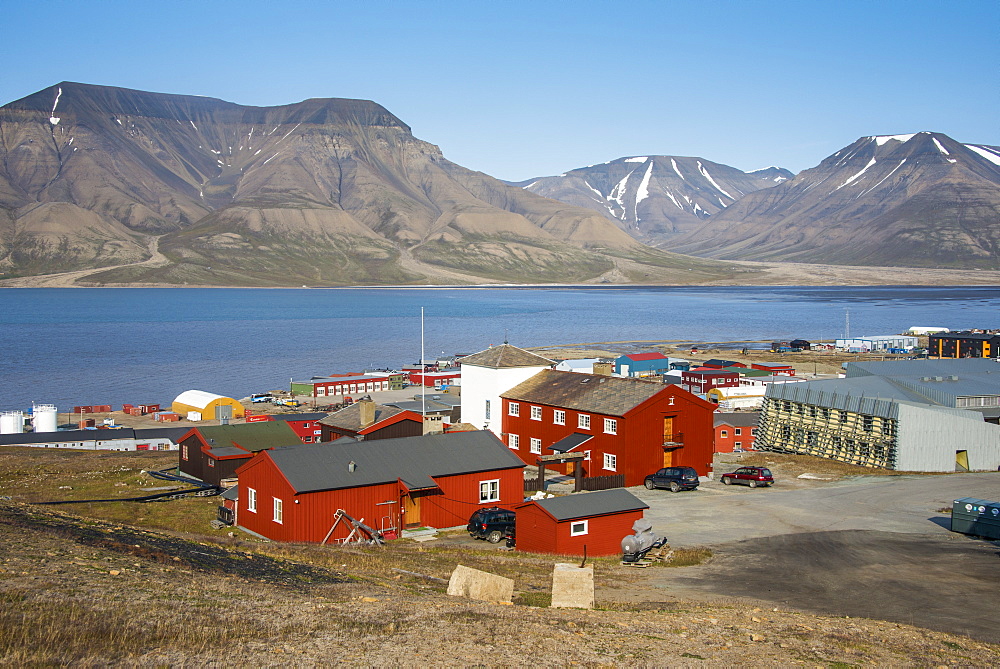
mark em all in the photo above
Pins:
pixel 559 417
pixel 184 451
pixel 610 426
pixel 586 456
pixel 610 462
pixel 487 409
pixel 251 500
pixel 514 409
pixel 738 431
pixel 211 462
pixel 489 491
pixel 577 528
pixel 583 421
pixel 536 446
pixel 725 433
pixel 753 432
pixel 278 512
pixel 738 444
pixel 513 441
pixel 536 413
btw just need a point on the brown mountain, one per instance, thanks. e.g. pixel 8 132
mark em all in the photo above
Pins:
pixel 656 198
pixel 183 189
pixel 920 200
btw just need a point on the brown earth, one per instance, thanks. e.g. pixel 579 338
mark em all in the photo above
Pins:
pixel 94 584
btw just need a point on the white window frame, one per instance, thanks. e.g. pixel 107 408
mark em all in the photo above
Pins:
pixel 724 434
pixel 738 431
pixel 184 451
pixel 578 528
pixel 586 456
pixel 611 462
pixel 513 442
pixel 738 444
pixel 559 417
pixel 536 446
pixel 583 421
pixel 251 500
pixel 513 409
pixel 279 510
pixel 536 413
pixel 610 426
pixel 489 491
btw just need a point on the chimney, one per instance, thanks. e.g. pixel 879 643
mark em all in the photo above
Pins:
pixel 367 407
pixel 604 368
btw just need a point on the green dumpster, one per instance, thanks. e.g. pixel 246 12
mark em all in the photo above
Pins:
pixel 978 517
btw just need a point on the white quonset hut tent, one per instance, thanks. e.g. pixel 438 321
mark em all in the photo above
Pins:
pixel 205 403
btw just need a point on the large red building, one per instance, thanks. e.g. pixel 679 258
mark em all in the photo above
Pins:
pixel 704 379
pixel 735 431
pixel 624 426
pixel 292 494
pixel 591 523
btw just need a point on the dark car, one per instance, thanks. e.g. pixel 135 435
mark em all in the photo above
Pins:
pixel 675 478
pixel 492 524
pixel 751 476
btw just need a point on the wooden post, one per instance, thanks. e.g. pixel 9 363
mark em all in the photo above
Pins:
pixel 578 477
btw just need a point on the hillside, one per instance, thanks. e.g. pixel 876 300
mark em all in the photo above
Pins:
pixel 656 198
pixel 920 200
pixel 321 192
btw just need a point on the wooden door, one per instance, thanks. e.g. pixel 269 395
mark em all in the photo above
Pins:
pixel 411 511
pixel 668 458
pixel 668 429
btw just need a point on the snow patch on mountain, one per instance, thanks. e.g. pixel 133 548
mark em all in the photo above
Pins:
pixel 643 191
pixel 881 140
pixel 852 179
pixel 940 147
pixel 985 153
pixel 708 176
pixel 674 163
pixel 883 179
pixel 638 159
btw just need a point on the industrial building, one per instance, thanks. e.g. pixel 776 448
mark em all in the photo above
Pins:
pixel 877 343
pixel 121 439
pixel 910 415
pixel 200 405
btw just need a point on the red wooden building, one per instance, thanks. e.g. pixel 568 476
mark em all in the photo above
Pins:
pixel 775 368
pixel 449 377
pixel 366 420
pixel 597 521
pixel 735 431
pixel 305 425
pixel 292 494
pixel 624 426
pixel 718 363
pixel 213 453
pixel 702 380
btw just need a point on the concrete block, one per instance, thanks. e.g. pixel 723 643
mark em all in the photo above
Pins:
pixel 572 586
pixel 481 585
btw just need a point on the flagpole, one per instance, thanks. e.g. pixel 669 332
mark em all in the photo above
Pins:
pixel 423 377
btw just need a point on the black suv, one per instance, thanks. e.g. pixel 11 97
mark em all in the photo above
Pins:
pixel 675 478
pixel 492 524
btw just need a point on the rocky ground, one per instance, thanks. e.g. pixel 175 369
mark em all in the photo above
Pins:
pixel 94 584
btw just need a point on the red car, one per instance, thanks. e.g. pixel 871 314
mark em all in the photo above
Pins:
pixel 751 476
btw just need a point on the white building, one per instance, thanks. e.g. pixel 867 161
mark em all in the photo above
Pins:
pixel 877 343
pixel 580 365
pixel 487 374
pixel 746 397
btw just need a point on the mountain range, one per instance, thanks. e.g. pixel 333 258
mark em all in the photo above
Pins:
pixel 656 198
pixel 183 189
pixel 915 200
pixel 132 187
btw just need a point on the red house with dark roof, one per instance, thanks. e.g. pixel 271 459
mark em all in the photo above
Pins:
pixel 735 431
pixel 624 426
pixel 213 453
pixel 293 493
pixel 702 380
pixel 306 425
pixel 595 522
pixel 366 420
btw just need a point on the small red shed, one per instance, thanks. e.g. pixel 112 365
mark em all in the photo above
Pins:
pixel 566 525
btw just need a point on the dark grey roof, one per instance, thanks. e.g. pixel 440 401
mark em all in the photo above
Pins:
pixel 569 443
pixel 956 367
pixel 349 418
pixel 174 434
pixel 736 418
pixel 299 416
pixel 505 356
pixel 430 406
pixel 231 494
pixel 312 467
pixel 584 505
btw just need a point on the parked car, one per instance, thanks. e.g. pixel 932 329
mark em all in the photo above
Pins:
pixel 492 524
pixel 674 478
pixel 751 476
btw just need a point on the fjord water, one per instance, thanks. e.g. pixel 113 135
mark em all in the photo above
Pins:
pixel 72 346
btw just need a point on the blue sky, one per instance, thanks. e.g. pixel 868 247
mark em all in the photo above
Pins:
pixel 523 89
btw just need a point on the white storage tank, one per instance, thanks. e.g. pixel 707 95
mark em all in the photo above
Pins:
pixel 11 422
pixel 45 417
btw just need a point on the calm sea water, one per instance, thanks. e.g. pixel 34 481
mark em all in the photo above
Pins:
pixel 109 346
